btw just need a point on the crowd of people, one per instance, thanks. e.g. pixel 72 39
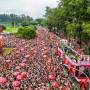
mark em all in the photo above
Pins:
pixel 73 55
pixel 31 66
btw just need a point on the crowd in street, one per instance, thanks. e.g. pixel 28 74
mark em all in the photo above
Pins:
pixel 32 65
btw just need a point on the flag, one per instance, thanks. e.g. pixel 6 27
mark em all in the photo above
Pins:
pixel 60 53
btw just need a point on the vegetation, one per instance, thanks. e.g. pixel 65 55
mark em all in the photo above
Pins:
pixel 22 20
pixel 6 51
pixel 71 17
pixel 26 32
pixel 4 28
pixel 25 23
pixel 14 20
pixel 41 21
pixel 11 29
pixel 87 50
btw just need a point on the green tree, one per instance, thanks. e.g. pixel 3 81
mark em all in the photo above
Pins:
pixel 75 12
pixel 25 23
pixel 26 32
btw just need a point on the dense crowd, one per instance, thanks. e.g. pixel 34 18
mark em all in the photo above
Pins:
pixel 32 65
pixel 73 55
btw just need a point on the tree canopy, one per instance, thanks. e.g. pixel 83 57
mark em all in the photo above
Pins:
pixel 72 17
pixel 15 19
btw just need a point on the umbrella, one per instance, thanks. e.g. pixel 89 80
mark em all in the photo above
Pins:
pixel 15 83
pixel 35 51
pixel 51 76
pixel 16 73
pixel 17 88
pixel 55 84
pixel 49 62
pixel 18 67
pixel 3 80
pixel 17 52
pixel 24 74
pixel 45 56
pixel 8 61
pixel 64 88
pixel 51 67
pixel 32 49
pixel 22 49
pixel 19 77
pixel 24 60
pixel 42 49
pixel 22 64
pixel 27 56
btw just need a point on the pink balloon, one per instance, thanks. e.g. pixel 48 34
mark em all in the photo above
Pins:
pixel 55 84
pixel 3 80
pixel 15 83
pixel 19 77
pixel 16 73
pixel 51 76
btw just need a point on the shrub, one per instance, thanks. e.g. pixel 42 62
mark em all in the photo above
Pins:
pixel 87 50
pixel 26 32
pixel 4 28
